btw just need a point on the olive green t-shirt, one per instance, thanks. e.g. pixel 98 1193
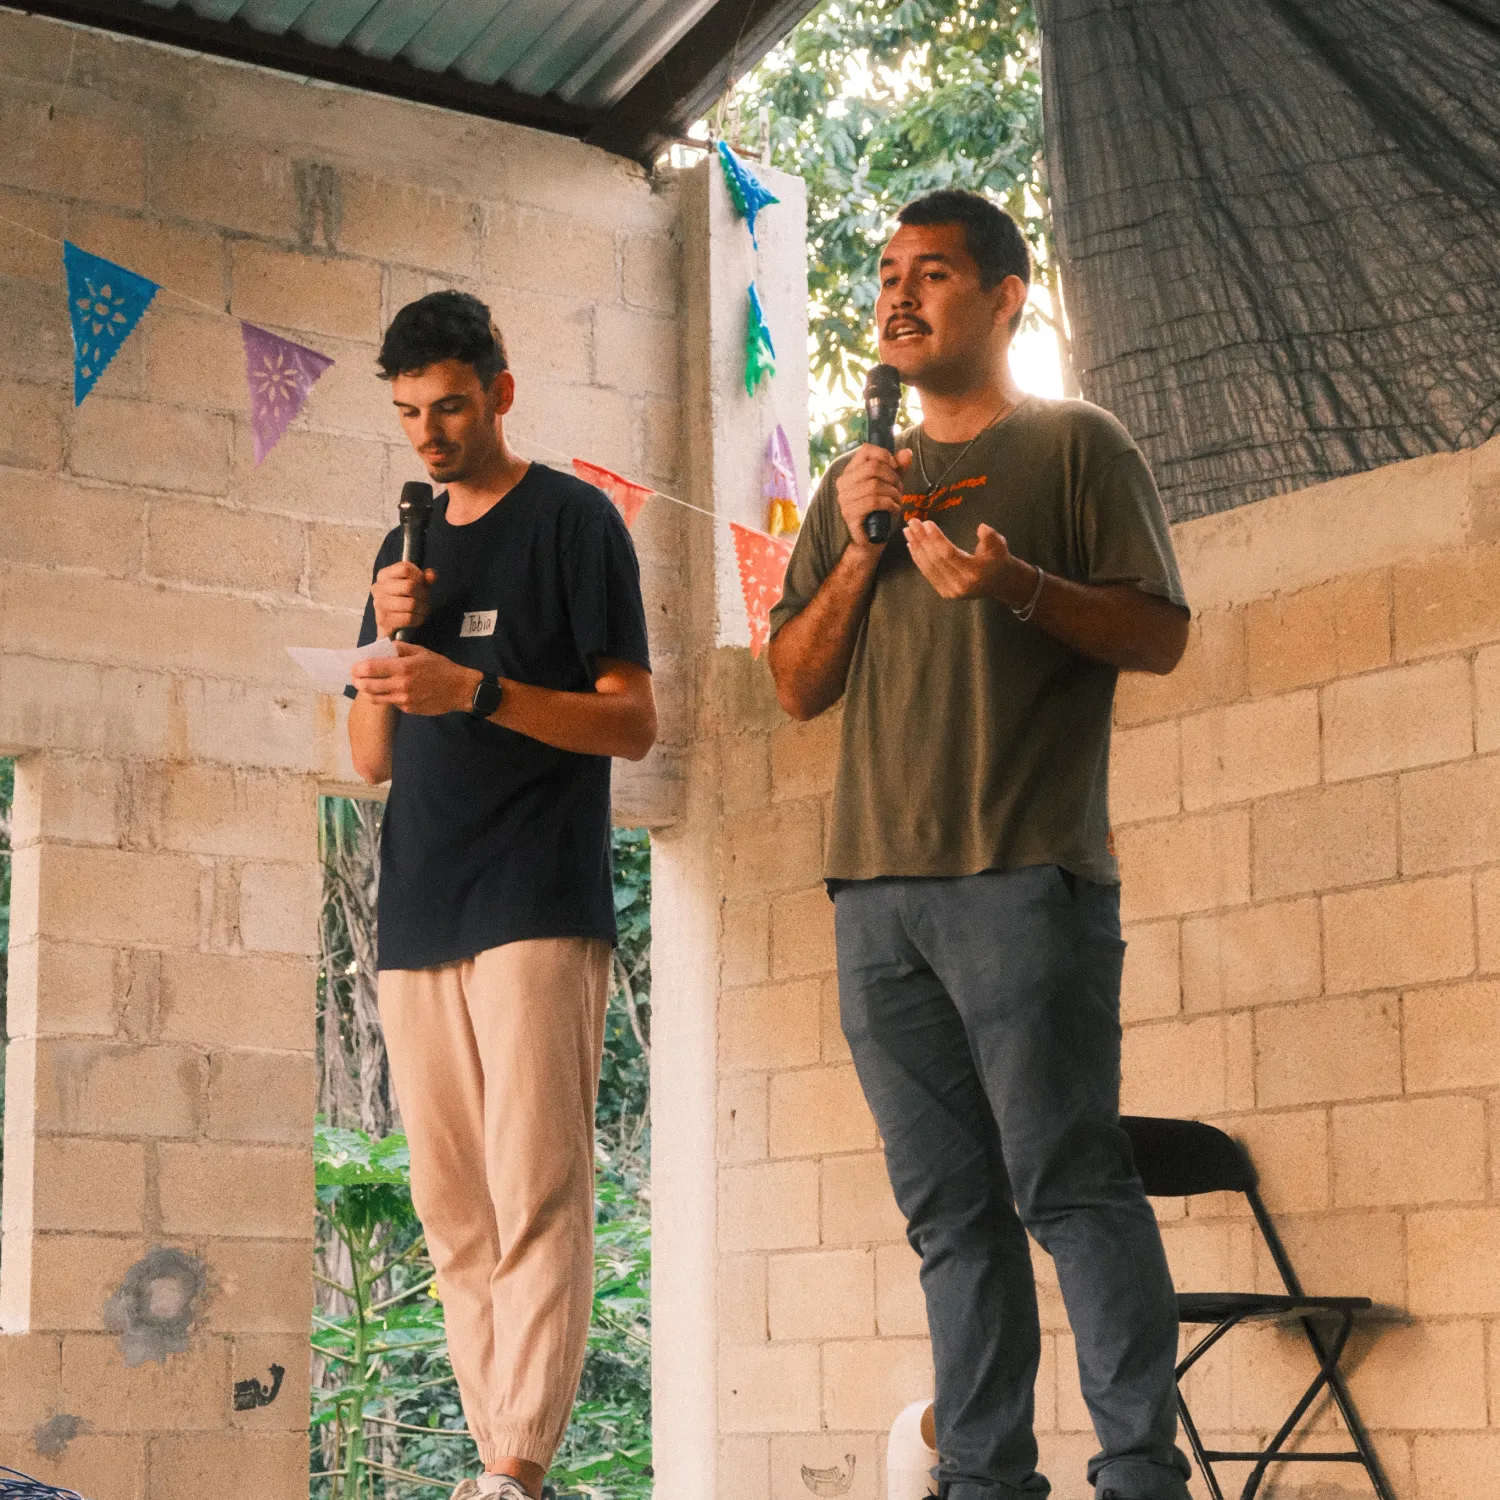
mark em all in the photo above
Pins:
pixel 973 740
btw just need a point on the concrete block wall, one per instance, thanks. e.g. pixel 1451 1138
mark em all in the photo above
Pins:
pixel 1305 813
pixel 160 1086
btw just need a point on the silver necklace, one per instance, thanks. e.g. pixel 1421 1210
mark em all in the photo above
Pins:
pixel 927 485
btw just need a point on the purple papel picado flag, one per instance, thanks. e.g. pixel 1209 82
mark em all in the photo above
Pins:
pixel 280 374
pixel 105 302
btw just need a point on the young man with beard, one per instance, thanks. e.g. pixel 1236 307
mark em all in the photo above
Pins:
pixel 528 670
pixel 970 861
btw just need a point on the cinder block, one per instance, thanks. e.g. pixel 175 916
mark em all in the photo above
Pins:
pixel 109 1088
pixel 1072 1413
pixel 1409 1151
pixel 75 705
pixel 900 1307
pixel 769 1026
pixel 99 1465
pixel 219 810
pixel 802 934
pixel 186 1392
pixel 1450 816
pixel 866 1383
pixel 1325 838
pixel 741 1299
pixel 636 351
pixel 1394 935
pixel 1457 1466
pixel 1184 864
pixel 262 1096
pixel 30 1380
pixel 770 1388
pixel 651 266
pixel 819 1111
pixel 662 446
pixel 35 344
pixel 1333 630
pixel 118 895
pixel 48 146
pixel 251 1359
pixel 1045 1393
pixel 858 1206
pixel 744 772
pixel 322 476
pixel 1197 1067
pixel 805 757
pixel 388 220
pixel 74 1275
pixel 81 1185
pixel 241 723
pixel 771 1206
pixel 742 1118
pixel 1247 750
pixel 561 417
pixel 1452 1255
pixel 32 438
pixel 744 1467
pixel 29 257
pixel 69 989
pixel 1212 670
pixel 237 1000
pixel 1447 602
pixel 307 293
pixel 349 397
pixel 71 798
pixel 1329 1049
pixel 1151 985
pixel 188 259
pixel 57 522
pixel 1426 1375
pixel 262 1192
pixel 822 1294
pixel 1451 1037
pixel 340 561
pixel 1360 1254
pixel 185 1468
pixel 546 337
pixel 579 255
pixel 280 906
pixel 220 547
pixel 745 943
pixel 1487 907
pixel 1204 1257
pixel 193 359
pixel 143 444
pixel 1145 772
pixel 1398 718
pixel 260 1286
pixel 857 1456
pixel 227 186
pixel 1487 699
pixel 835 1047
pixel 1290 1152
pixel 1258 955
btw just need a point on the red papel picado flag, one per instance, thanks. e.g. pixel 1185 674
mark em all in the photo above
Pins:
pixel 763 561
pixel 628 496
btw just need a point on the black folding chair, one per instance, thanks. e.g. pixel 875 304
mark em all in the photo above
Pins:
pixel 1178 1158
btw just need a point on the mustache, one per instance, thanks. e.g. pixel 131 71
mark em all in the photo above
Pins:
pixel 905 320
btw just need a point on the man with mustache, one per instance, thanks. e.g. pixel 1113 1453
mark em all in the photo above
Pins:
pixel 495 727
pixel 969 854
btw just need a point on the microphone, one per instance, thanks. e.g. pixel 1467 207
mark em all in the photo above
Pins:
pixel 882 397
pixel 415 510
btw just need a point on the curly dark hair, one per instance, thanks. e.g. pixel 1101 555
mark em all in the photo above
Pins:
pixel 443 325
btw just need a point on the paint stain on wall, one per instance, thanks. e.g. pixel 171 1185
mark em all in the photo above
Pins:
pixel 154 1308
pixel 53 1435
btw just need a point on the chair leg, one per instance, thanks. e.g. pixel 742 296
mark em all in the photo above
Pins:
pixel 1339 1389
pixel 1195 1442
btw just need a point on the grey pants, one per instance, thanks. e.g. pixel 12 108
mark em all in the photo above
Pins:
pixel 983 1014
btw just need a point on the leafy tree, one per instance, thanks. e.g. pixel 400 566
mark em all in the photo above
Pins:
pixel 871 104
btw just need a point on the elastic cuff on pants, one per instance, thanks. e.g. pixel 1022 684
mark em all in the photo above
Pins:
pixel 520 1442
pixel 1143 1479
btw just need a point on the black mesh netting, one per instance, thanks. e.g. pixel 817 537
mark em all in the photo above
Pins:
pixel 1279 226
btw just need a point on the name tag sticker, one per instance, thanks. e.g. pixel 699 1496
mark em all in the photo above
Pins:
pixel 479 622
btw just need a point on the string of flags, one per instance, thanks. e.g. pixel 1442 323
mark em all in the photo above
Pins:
pixel 106 303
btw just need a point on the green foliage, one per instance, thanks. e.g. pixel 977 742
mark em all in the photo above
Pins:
pixel 388 1420
pixel 872 104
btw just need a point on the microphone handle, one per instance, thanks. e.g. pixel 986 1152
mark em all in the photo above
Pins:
pixel 411 551
pixel 880 431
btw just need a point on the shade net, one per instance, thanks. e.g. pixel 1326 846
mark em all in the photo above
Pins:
pixel 1279 229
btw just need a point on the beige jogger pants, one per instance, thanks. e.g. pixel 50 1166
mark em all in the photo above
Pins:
pixel 495 1060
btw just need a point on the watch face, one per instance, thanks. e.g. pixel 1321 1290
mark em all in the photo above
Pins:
pixel 486 698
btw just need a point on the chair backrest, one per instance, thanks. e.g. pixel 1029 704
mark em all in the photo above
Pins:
pixel 1177 1158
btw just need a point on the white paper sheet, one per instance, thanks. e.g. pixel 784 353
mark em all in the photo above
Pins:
pixel 330 668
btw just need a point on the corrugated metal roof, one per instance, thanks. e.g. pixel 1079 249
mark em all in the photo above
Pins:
pixel 625 74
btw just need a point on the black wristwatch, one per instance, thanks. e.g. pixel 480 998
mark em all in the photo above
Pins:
pixel 487 696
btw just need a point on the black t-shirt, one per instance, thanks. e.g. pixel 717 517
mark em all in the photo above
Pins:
pixel 490 836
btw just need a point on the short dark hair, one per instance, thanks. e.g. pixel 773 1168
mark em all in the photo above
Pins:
pixel 443 325
pixel 992 238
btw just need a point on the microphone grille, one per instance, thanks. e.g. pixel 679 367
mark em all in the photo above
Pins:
pixel 883 383
pixel 415 497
